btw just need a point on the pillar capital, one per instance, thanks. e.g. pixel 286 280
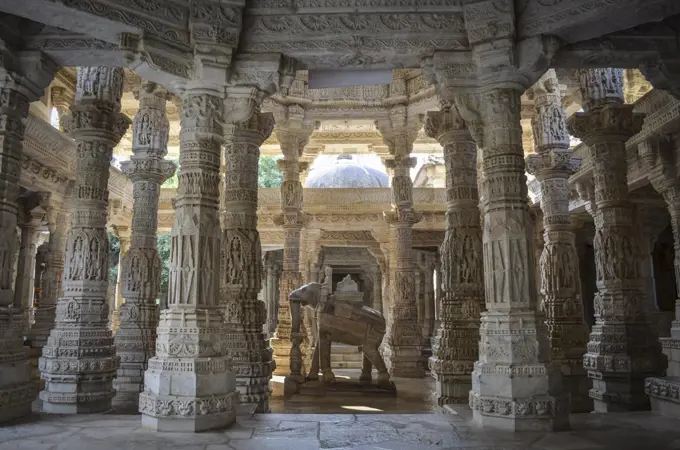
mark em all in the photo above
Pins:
pixel 446 126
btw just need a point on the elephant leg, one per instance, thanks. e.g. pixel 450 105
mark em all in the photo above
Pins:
pixel 314 369
pixel 371 350
pixel 366 368
pixel 325 357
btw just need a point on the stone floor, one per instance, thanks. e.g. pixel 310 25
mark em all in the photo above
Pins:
pixel 414 396
pixel 618 431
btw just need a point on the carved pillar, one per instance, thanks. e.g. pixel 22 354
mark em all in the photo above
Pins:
pixel 428 304
pixel 78 362
pixel 622 350
pixel 273 270
pixel 139 272
pixel 58 223
pixel 23 291
pixel 189 384
pixel 455 346
pixel 242 255
pixel 123 234
pixel 663 171
pixel 403 342
pixel 292 220
pixel 514 385
pixel 560 284
pixel 62 99
pixel 376 280
pixel 24 83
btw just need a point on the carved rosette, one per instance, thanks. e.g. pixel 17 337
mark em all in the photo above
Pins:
pixel 403 341
pixel 241 259
pixel 78 370
pixel 26 83
pixel 141 266
pixel 560 284
pixel 192 340
pixel 292 220
pixel 455 345
pixel 513 348
pixel 622 341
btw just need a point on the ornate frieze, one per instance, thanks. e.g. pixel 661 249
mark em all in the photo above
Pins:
pixel 455 344
pixel 560 284
pixel 78 375
pixel 621 340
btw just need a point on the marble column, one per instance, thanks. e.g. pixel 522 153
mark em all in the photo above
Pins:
pixel 623 350
pixel 455 346
pixel 403 342
pixel 23 291
pixel 189 384
pixel 18 87
pixel 514 384
pixel 292 220
pixel 140 266
pixel 78 361
pixel 664 175
pixel 271 294
pixel 560 284
pixel 58 223
pixel 123 234
pixel 242 258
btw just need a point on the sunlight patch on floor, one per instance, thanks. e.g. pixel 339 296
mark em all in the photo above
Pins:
pixel 362 408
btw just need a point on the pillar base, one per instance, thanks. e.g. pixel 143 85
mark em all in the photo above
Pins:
pixel 452 389
pixel 78 366
pixel 404 361
pixel 187 414
pixel 621 393
pixel 664 395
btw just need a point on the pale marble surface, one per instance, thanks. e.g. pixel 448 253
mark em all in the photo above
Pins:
pixel 620 431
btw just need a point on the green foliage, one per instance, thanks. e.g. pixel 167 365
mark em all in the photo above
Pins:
pixel 164 245
pixel 114 255
pixel 268 174
pixel 173 181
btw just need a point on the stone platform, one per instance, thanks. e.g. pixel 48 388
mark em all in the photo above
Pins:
pixel 616 431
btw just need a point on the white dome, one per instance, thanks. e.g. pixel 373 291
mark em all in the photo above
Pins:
pixel 346 172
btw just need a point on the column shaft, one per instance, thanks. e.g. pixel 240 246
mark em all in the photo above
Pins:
pixel 17 89
pixel 242 260
pixel 514 386
pixel 622 350
pixel 292 220
pixel 58 222
pixel 455 346
pixel 403 342
pixel 78 362
pixel 560 284
pixel 189 385
pixel 139 272
pixel 23 292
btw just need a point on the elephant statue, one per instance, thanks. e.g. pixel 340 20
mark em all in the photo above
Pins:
pixel 342 322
